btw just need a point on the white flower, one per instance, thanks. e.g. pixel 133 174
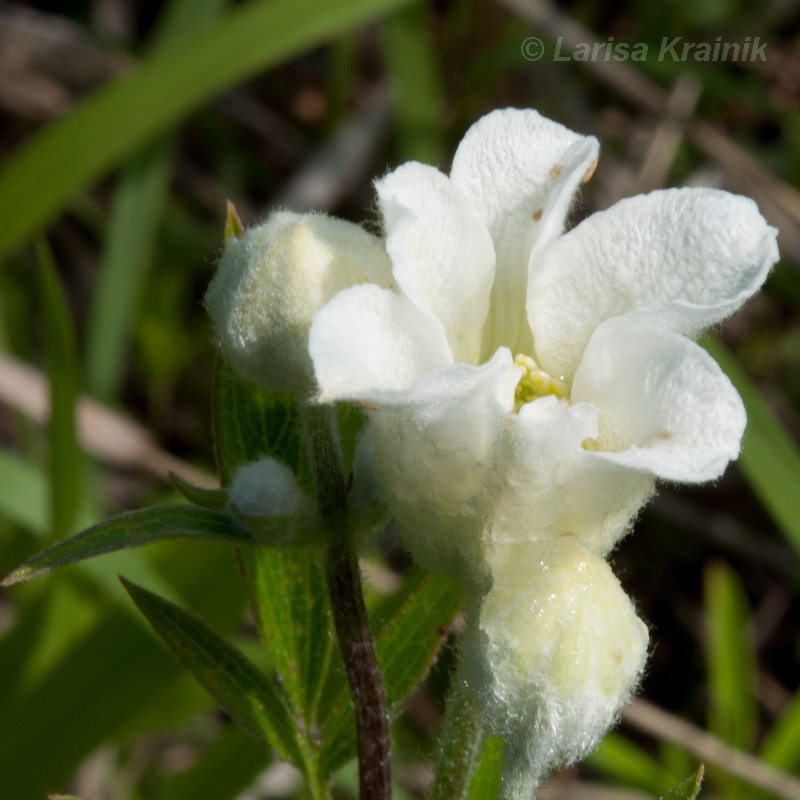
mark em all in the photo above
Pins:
pixel 528 388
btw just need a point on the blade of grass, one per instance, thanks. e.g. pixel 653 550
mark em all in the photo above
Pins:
pixel 731 666
pixel 781 746
pixel 66 459
pixel 54 165
pixel 770 459
pixel 136 210
pixel 628 763
pixel 416 84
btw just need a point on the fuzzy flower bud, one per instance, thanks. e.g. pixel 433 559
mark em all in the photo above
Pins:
pixel 273 279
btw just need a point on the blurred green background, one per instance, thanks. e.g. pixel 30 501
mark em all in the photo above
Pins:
pixel 124 127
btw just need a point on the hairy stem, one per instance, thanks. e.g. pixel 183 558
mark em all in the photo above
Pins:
pixel 349 611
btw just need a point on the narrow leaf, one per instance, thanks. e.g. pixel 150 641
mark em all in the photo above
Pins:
pixel 688 789
pixel 485 783
pixel 289 599
pixel 38 181
pixel 233 223
pixel 627 763
pixel 781 747
pixel 135 213
pixel 66 459
pixel 214 499
pixel 130 530
pixel 731 662
pixel 414 76
pixel 241 689
pixel 770 459
pixel 406 646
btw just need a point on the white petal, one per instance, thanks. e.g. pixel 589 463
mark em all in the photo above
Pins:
pixel 368 340
pixel 551 487
pixel 666 407
pixel 700 252
pixel 442 254
pixel 520 172
pixel 433 454
pixel 565 650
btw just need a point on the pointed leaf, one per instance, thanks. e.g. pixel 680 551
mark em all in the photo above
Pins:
pixel 130 530
pixel 233 223
pixel 688 789
pixel 289 600
pixel 62 371
pixel 770 458
pixel 406 646
pixel 240 688
pixel 485 783
pixel 781 746
pixel 214 499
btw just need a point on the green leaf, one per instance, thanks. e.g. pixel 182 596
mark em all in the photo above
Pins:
pixel 171 82
pixel 781 746
pixel 233 223
pixel 485 782
pixel 130 530
pixel 405 647
pixel 688 789
pixel 66 459
pixel 413 74
pixel 214 499
pixel 240 688
pixel 135 213
pixel 628 763
pixel 731 662
pixel 289 600
pixel 770 459
pixel 250 423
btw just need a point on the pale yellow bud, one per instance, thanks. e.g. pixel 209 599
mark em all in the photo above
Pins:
pixel 273 279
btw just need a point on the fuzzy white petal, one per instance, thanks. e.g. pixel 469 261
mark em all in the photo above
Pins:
pixel 442 254
pixel 433 450
pixel 367 340
pixel 520 172
pixel 552 487
pixel 666 407
pixel 564 650
pixel 699 252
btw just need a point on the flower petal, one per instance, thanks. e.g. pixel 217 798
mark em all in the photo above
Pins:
pixel 433 448
pixel 699 252
pixel 564 648
pixel 442 254
pixel 552 488
pixel 520 172
pixel 666 407
pixel 366 341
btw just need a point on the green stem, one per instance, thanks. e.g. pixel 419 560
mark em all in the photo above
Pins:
pixel 461 743
pixel 349 611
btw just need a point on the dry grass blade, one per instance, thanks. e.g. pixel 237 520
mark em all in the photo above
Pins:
pixel 103 433
pixel 659 723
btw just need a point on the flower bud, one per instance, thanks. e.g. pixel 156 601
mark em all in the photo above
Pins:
pixel 272 280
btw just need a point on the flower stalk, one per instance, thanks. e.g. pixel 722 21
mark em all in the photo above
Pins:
pixel 349 610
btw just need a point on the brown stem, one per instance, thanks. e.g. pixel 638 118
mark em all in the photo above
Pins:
pixel 349 611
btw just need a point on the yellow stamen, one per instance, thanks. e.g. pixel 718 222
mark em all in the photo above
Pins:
pixel 535 382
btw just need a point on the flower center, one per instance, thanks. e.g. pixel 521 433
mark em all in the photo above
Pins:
pixel 535 382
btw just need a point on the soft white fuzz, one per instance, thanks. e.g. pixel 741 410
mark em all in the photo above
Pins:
pixel 519 489
pixel 272 280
